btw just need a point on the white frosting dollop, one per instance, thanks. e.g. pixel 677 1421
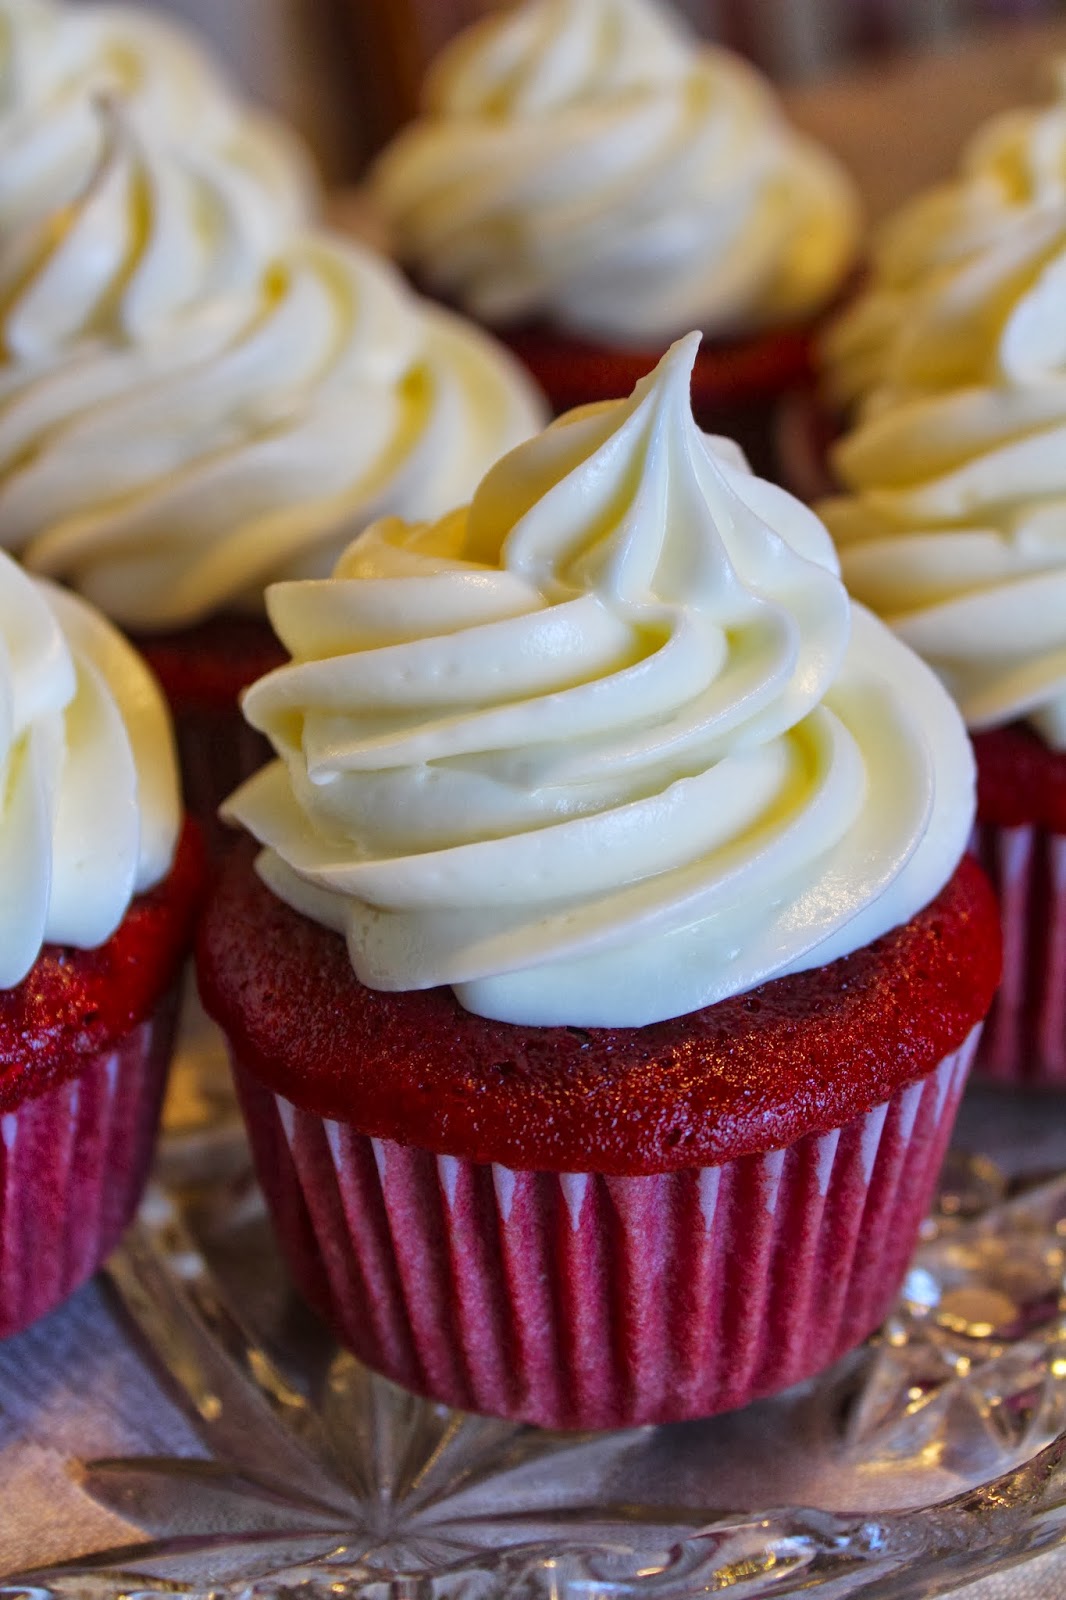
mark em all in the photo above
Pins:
pixel 167 478
pixel 941 266
pixel 59 63
pixel 607 746
pixel 590 163
pixel 89 808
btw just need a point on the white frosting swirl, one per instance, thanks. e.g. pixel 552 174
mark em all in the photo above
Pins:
pixel 957 251
pixel 608 746
pixel 586 161
pixel 59 62
pixel 168 478
pixel 89 809
pixel 955 527
pixel 156 235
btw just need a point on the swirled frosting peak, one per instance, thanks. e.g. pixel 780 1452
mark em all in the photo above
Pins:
pixel 606 746
pixel 951 526
pixel 588 162
pixel 170 478
pixel 89 805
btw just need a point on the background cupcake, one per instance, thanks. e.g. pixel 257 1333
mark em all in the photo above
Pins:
pixel 95 919
pixel 610 755
pixel 592 180
pixel 202 394
pixel 952 529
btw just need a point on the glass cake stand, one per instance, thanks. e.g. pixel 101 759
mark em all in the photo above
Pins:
pixel 935 1454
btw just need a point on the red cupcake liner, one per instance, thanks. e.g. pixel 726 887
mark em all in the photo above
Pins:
pixel 579 1300
pixel 73 1164
pixel 1024 1040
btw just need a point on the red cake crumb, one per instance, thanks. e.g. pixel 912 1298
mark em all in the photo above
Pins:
pixel 1019 779
pixel 800 1054
pixel 74 1004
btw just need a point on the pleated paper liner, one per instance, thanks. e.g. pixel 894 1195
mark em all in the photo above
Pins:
pixel 73 1164
pixel 581 1300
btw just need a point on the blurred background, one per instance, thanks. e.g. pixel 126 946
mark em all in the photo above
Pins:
pixel 347 71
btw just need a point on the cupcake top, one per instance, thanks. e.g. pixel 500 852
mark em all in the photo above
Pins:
pixel 606 746
pixel 90 810
pixel 59 63
pixel 947 265
pixel 591 164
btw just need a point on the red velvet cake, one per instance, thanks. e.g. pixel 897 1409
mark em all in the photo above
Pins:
pixel 85 1040
pixel 444 1185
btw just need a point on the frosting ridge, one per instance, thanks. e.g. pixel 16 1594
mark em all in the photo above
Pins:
pixel 59 62
pixel 166 479
pixel 591 163
pixel 90 810
pixel 952 532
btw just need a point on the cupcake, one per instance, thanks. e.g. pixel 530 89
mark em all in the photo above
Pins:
pixel 202 394
pixel 100 889
pixel 602 992
pixel 59 63
pixel 591 180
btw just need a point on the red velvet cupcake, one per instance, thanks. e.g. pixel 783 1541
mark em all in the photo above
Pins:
pixel 589 179
pixel 602 995
pixel 99 901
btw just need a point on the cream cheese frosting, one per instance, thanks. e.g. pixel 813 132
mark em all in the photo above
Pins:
pixel 199 391
pixel 588 162
pixel 606 746
pixel 953 528
pixel 59 63
pixel 89 808
pixel 957 248
pixel 158 234
pixel 168 478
